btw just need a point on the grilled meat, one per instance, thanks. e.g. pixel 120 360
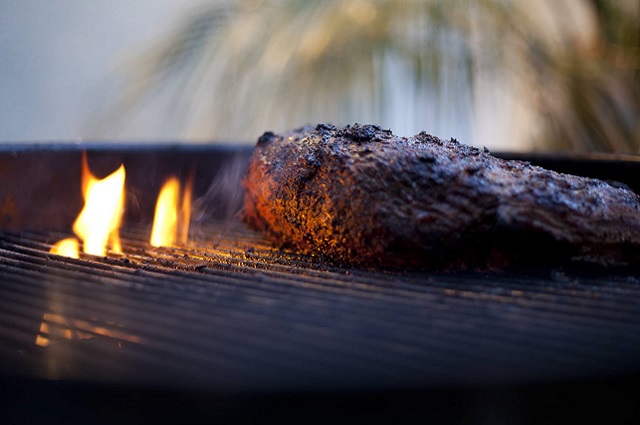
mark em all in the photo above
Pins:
pixel 361 195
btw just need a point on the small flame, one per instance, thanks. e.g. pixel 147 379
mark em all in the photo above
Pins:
pixel 68 247
pixel 165 221
pixel 98 222
pixel 185 212
pixel 171 220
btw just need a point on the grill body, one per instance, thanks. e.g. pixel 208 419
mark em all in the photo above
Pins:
pixel 227 324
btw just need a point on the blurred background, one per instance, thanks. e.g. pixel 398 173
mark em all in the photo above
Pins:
pixel 510 75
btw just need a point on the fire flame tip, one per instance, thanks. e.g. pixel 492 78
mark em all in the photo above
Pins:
pixel 98 223
pixel 172 214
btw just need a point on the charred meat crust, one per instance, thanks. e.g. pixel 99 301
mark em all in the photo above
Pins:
pixel 361 195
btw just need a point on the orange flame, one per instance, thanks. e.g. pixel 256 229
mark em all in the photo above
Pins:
pixel 171 221
pixel 185 212
pixel 67 248
pixel 98 223
pixel 165 221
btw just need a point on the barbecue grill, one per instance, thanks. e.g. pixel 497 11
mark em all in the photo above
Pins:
pixel 227 326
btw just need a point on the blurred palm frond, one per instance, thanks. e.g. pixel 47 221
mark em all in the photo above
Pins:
pixel 238 68
pixel 585 81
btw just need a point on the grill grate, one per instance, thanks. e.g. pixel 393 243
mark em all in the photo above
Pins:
pixel 229 312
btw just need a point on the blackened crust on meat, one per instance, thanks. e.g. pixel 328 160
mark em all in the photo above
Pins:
pixel 361 195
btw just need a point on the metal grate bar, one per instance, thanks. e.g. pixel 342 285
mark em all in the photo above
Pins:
pixel 464 304
pixel 230 310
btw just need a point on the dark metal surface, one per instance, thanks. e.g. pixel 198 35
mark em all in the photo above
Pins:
pixel 227 324
pixel 230 314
